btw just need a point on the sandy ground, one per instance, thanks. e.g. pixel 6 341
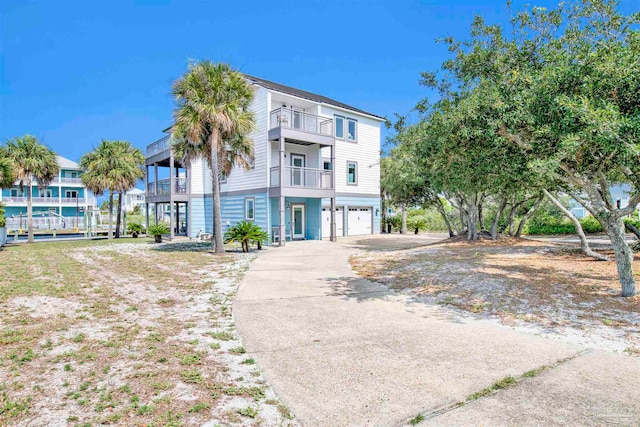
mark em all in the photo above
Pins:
pixel 126 334
pixel 545 288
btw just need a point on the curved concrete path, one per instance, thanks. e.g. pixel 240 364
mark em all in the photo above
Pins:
pixel 340 350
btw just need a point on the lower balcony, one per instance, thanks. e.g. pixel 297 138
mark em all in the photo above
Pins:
pixel 46 200
pixel 301 182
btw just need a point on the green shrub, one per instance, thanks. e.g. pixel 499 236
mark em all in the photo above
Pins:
pixel 158 229
pixel 245 232
pixel 549 224
pixel 591 225
pixel 417 223
pixel 135 228
pixel 3 220
pixel 633 221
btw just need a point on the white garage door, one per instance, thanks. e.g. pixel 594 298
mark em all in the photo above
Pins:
pixel 359 221
pixel 326 222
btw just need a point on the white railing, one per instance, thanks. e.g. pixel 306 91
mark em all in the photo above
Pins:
pixel 159 146
pixel 66 180
pixel 49 200
pixel 302 177
pixel 46 223
pixel 299 120
pixel 164 186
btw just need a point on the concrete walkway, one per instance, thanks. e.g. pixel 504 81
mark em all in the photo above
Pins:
pixel 342 351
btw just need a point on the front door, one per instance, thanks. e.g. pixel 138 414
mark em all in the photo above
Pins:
pixel 297 170
pixel 298 221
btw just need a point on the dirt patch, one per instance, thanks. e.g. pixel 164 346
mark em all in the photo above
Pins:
pixel 127 334
pixel 534 286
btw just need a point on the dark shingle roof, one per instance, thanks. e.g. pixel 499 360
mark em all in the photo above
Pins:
pixel 306 95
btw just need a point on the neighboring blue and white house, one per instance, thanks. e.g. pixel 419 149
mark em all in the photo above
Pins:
pixel 132 199
pixel 59 205
pixel 619 194
pixel 311 153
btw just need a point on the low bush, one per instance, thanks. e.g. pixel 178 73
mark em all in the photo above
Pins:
pixel 3 219
pixel 244 232
pixel 135 229
pixel 158 230
pixel 553 225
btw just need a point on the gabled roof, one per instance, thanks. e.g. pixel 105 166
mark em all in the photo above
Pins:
pixel 65 163
pixel 135 191
pixel 306 95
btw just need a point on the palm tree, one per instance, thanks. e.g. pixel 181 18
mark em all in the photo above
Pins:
pixel 114 166
pixel 212 120
pixel 32 161
pixel 7 176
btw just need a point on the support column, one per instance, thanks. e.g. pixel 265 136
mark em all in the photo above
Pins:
pixel 173 182
pixel 283 228
pixel 155 184
pixel 178 217
pixel 146 206
pixel 332 236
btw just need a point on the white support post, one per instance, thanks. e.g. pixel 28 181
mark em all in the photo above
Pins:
pixel 282 231
pixel 333 236
pixel 172 183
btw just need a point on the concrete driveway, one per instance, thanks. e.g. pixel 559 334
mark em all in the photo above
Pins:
pixel 343 351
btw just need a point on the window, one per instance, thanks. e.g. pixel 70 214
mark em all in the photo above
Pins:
pixel 339 127
pixel 326 165
pixel 13 192
pixel 223 177
pixel 46 193
pixel 352 173
pixel 73 174
pixel 71 194
pixel 352 128
pixel 249 209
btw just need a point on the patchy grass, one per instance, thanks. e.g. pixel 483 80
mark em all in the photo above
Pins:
pixel 125 332
pixel 519 282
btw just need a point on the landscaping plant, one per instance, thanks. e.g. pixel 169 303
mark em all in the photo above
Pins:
pixel 135 229
pixel 157 230
pixel 245 232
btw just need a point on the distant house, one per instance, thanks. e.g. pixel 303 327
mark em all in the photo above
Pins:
pixel 619 194
pixel 59 205
pixel 132 198
pixel 312 153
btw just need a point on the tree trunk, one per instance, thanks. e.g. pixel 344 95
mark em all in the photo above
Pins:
pixel 584 245
pixel 443 213
pixel 614 228
pixel 218 241
pixel 403 227
pixel 383 217
pixel 496 219
pixel 110 215
pixel 29 213
pixel 632 229
pixel 472 219
pixel 480 216
pixel 119 215
pixel 528 215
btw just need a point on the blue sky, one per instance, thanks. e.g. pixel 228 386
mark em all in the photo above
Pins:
pixel 75 72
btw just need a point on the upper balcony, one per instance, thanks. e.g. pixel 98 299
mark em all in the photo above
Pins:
pixel 67 180
pixel 175 185
pixel 159 149
pixel 299 127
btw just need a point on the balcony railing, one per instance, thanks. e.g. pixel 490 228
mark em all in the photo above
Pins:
pixel 302 177
pixel 67 180
pixel 48 200
pixel 159 146
pixel 165 186
pixel 299 120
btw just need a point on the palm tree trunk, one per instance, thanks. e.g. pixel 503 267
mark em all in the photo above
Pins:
pixel 119 215
pixel 110 215
pixel 218 241
pixel 29 213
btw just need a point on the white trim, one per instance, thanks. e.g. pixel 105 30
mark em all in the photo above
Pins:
pixel 356 172
pixel 246 211
pixel 304 218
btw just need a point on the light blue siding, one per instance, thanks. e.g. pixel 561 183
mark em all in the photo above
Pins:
pixel 313 215
pixel 232 208
pixel 198 216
